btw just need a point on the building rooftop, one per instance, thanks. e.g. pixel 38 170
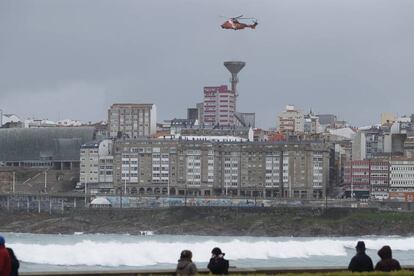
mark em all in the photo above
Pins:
pixel 48 144
pixel 131 105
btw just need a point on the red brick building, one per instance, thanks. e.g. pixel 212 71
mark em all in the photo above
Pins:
pixel 219 105
pixel 366 178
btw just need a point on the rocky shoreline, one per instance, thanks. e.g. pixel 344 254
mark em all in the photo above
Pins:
pixel 215 221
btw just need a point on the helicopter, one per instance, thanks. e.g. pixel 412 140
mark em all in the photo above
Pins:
pixel 233 23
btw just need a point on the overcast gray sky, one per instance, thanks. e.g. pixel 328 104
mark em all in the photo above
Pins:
pixel 72 59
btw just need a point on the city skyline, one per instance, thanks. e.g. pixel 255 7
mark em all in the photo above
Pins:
pixel 334 58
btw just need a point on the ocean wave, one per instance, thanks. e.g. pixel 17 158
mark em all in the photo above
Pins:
pixel 145 253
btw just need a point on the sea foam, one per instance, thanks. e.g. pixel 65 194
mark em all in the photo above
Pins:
pixel 152 252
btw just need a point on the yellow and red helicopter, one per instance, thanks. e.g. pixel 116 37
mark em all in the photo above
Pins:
pixel 234 23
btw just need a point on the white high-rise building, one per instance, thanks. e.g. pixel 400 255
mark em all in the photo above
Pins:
pixel 193 165
pixel 402 175
pixel 96 165
pixel 160 166
pixel 291 120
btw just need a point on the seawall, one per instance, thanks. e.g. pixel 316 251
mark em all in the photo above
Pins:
pixel 293 221
pixel 237 271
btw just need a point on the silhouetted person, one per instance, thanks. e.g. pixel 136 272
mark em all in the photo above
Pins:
pixel 5 263
pixel 387 263
pixel 14 262
pixel 361 262
pixel 185 266
pixel 217 264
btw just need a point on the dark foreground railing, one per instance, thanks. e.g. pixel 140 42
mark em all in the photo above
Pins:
pixel 241 271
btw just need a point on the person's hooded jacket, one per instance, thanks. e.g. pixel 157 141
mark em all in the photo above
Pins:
pixel 186 267
pixel 5 263
pixel 14 263
pixel 218 265
pixel 387 263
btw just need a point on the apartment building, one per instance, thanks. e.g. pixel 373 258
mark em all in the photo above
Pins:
pixel 291 120
pixel 311 124
pixel 357 181
pixel 132 120
pixel 96 166
pixel 211 168
pixel 379 179
pixel 402 179
pixel 367 178
pixel 219 106
pixel 145 166
pixel 368 143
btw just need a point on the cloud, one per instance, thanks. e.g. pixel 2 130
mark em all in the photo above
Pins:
pixel 74 58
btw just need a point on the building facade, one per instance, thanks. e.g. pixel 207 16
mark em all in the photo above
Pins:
pixel 209 168
pixel 219 106
pixel 379 179
pixel 96 166
pixel 327 120
pixel 200 111
pixel 132 120
pixel 311 124
pixel 368 144
pixel 402 179
pixel 192 114
pixel 54 147
pixel 387 118
pixel 357 182
pixel 367 178
pixel 245 119
pixel 291 120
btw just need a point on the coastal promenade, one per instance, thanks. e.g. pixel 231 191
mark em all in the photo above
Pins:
pixel 238 271
pixel 58 203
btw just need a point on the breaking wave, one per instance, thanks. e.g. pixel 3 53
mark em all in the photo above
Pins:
pixel 144 253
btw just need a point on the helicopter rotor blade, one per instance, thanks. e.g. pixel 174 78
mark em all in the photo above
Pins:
pixel 248 18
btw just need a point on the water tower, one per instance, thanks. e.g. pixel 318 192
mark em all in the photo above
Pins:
pixel 234 67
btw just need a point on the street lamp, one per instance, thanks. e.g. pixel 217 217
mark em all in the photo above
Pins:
pixel 352 186
pixel 125 186
pixel 169 175
pixel 86 189
pixel 14 182
pixel 45 181
pixel 185 195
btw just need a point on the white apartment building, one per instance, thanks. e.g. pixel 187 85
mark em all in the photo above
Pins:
pixel 272 177
pixel 160 166
pixel 402 180
pixel 285 170
pixel 203 167
pixel 96 165
pixel 132 120
pixel 146 166
pixel 231 170
pixel 129 168
pixel 106 168
pixel 317 163
pixel 193 167
pixel 291 120
pixel 89 163
pixel 210 166
pixel 402 175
